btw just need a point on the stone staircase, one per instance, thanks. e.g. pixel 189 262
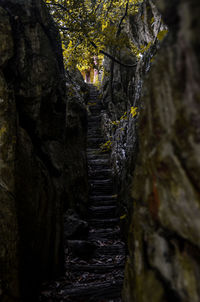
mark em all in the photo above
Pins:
pixel 104 222
pixel 97 277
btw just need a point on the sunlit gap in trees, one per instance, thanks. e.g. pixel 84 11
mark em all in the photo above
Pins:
pixel 92 29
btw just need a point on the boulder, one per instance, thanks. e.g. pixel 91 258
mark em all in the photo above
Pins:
pixel 74 227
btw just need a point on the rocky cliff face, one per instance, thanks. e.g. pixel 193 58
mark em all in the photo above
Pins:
pixel 164 234
pixel 162 190
pixel 34 159
pixel 76 129
pixel 120 123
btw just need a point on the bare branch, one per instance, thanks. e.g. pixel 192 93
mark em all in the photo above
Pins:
pixel 111 57
pixel 91 42
pixel 122 19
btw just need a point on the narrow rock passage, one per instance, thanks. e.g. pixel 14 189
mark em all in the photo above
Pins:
pixel 104 222
pixel 96 276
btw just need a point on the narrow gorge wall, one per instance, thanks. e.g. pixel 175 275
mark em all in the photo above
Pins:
pixel 35 166
pixel 119 124
pixel 158 178
pixel 164 234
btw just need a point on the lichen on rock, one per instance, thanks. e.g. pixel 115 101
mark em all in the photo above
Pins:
pixel 34 158
pixel 156 159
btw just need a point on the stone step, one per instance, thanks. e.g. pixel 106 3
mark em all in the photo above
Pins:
pixel 100 174
pixel 99 165
pixel 104 197
pixel 93 268
pixel 110 250
pixel 103 203
pixel 93 93
pixel 96 151
pixel 100 191
pixel 94 100
pixel 94 118
pixel 103 211
pixel 101 234
pixel 94 126
pixel 94 146
pixel 99 161
pixel 95 107
pixel 95 110
pixel 95 140
pixel 94 122
pixel 95 132
pixel 95 137
pixel 97 292
pixel 103 223
pixel 96 170
pixel 99 186
pixel 94 143
pixel 105 181
pixel 100 156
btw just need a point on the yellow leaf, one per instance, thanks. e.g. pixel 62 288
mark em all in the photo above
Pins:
pixel 134 111
pixel 162 34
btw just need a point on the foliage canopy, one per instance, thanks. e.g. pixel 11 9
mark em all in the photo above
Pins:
pixel 90 27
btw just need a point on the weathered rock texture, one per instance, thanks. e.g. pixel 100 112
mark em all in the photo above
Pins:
pixel 34 158
pixel 76 130
pixel 120 127
pixel 164 235
pixel 163 240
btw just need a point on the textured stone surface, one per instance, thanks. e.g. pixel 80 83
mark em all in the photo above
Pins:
pixel 119 125
pixel 75 228
pixel 9 238
pixel 158 182
pixel 164 234
pixel 76 129
pixel 36 160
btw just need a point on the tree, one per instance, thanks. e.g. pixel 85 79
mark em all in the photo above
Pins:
pixel 91 27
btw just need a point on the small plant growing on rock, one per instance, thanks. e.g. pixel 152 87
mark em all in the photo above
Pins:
pixel 122 118
pixel 106 146
pixel 134 111
pixel 92 104
pixel 123 217
pixel 2 130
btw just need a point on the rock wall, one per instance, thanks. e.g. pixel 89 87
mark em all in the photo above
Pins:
pixel 76 129
pixel 164 234
pixel 34 153
pixel 158 180
pixel 119 125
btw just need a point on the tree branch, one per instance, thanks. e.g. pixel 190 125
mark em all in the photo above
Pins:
pixel 111 57
pixel 122 19
pixel 91 42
